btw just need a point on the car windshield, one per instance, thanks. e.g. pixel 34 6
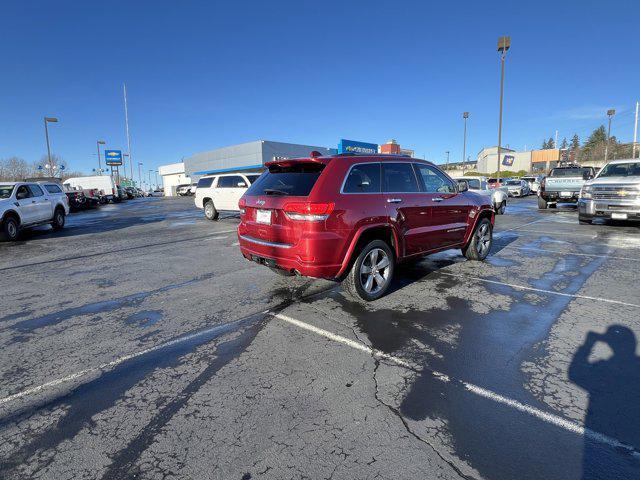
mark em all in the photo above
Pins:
pixel 529 179
pixel 492 180
pixel 631 169
pixel 513 182
pixel 5 191
pixel 295 180
pixel 569 172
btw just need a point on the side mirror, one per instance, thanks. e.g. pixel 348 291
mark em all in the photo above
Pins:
pixel 463 186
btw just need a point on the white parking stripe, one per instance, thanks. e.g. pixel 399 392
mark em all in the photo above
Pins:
pixel 535 249
pixel 550 418
pixel 590 235
pixel 540 290
pixel 523 225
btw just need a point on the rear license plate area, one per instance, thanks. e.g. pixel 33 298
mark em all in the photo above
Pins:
pixel 269 262
pixel 566 194
pixel 263 217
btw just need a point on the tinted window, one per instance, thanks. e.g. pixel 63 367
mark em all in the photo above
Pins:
pixel 296 180
pixel 230 181
pixel 363 178
pixel 399 177
pixel 492 180
pixel 434 181
pixel 621 170
pixel 23 192
pixel 253 178
pixel 53 189
pixel 36 191
pixel 5 191
pixel 473 183
pixel 205 182
pixel 569 172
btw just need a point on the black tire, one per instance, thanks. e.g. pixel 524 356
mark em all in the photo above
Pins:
pixel 584 220
pixel 10 229
pixel 354 280
pixel 210 211
pixel 481 241
pixel 58 219
pixel 503 206
pixel 542 203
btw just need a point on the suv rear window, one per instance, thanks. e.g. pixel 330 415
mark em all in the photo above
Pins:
pixel 205 182
pixel 569 172
pixel 296 180
pixel 363 178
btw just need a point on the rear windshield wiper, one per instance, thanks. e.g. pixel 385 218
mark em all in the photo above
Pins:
pixel 273 191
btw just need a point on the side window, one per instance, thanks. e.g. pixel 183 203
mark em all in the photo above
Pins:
pixel 434 181
pixel 205 182
pixel 399 178
pixel 253 178
pixel 36 191
pixel 231 181
pixel 473 183
pixel 364 178
pixel 53 189
pixel 23 192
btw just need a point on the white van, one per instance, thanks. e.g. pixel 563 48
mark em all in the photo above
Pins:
pixel 103 183
pixel 222 192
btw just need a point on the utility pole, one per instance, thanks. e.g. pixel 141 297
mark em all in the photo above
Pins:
pixel 140 173
pixel 126 123
pixel 46 134
pixel 465 115
pixel 98 143
pixel 504 43
pixel 150 178
pixel 555 143
pixel 610 113
pixel 447 167
pixel 635 133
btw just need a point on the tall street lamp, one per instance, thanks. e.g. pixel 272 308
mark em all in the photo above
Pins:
pixel 157 185
pixel 46 134
pixel 150 178
pixel 98 143
pixel 124 166
pixel 140 173
pixel 610 113
pixel 447 167
pixel 503 45
pixel 465 115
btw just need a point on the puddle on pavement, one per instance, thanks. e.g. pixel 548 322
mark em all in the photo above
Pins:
pixel 144 318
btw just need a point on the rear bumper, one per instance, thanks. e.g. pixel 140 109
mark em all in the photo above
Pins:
pixel 312 256
pixel 588 208
pixel 557 197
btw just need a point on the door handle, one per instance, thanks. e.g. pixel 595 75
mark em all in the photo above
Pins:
pixel 437 199
pixel 394 200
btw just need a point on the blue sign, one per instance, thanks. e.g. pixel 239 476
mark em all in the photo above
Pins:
pixel 351 146
pixel 113 157
pixel 508 160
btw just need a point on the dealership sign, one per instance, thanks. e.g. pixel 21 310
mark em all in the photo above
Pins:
pixel 508 160
pixel 351 146
pixel 113 157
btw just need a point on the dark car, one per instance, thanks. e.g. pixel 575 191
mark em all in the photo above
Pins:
pixel 353 218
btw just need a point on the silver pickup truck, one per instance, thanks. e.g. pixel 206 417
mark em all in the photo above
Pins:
pixel 613 194
pixel 563 185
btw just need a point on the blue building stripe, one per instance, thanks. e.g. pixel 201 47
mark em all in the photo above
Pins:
pixel 232 169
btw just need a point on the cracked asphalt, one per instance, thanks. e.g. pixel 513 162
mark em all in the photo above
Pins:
pixel 138 343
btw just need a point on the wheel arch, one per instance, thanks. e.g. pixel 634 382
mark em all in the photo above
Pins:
pixel 364 235
pixel 483 213
pixel 11 213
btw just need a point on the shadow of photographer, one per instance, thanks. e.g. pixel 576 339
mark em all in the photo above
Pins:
pixel 614 401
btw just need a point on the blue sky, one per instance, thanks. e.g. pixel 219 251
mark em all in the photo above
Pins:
pixel 206 74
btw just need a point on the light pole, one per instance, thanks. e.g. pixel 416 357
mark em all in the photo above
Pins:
pixel 503 45
pixel 124 165
pixel 465 115
pixel 140 173
pixel 98 143
pixel 610 113
pixel 46 134
pixel 447 164
pixel 150 178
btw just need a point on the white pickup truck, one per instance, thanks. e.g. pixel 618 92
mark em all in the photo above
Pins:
pixel 27 204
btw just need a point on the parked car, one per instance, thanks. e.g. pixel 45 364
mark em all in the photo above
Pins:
pixel 222 192
pixel 613 194
pixel 102 184
pixel 354 218
pixel 534 182
pixel 156 193
pixel 186 190
pixel 495 183
pixel 480 186
pixel 563 184
pixel 76 197
pixel 25 205
pixel 131 192
pixel 517 188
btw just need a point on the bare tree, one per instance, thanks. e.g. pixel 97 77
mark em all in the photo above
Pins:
pixel 14 168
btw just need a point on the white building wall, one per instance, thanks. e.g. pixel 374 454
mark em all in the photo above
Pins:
pixel 172 176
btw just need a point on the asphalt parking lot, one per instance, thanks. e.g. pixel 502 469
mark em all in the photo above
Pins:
pixel 138 343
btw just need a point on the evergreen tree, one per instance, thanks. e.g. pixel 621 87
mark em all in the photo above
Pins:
pixel 564 143
pixel 575 142
pixel 598 136
pixel 544 145
pixel 550 143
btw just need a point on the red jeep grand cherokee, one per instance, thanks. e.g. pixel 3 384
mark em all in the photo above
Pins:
pixel 352 218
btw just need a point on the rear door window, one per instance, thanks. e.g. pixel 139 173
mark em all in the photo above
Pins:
pixel 36 191
pixel 53 189
pixel 399 178
pixel 434 181
pixel 231 181
pixel 295 180
pixel 205 182
pixel 363 178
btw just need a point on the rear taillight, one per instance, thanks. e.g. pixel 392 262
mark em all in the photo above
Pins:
pixel 241 204
pixel 306 211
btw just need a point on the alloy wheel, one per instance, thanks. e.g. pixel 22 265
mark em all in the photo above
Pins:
pixel 374 271
pixel 483 239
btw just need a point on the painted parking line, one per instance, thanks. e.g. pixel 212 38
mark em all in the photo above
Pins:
pixel 539 290
pixel 594 255
pixel 550 418
pixel 523 225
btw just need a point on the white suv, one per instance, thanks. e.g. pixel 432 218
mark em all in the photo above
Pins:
pixel 26 204
pixel 222 192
